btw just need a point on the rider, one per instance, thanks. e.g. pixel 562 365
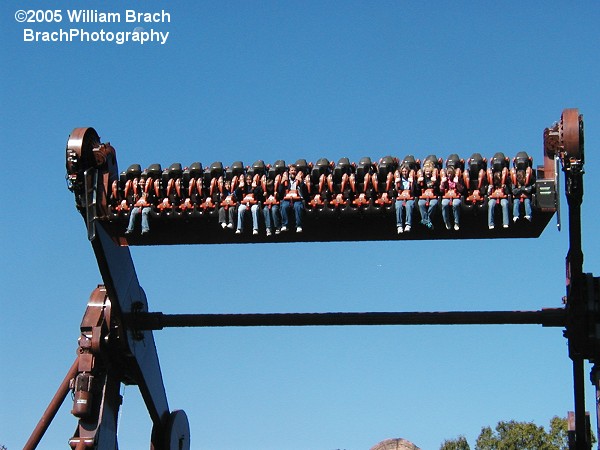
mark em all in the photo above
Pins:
pixel 497 190
pixel 142 206
pixel 452 188
pixel 522 192
pixel 293 193
pixel 249 195
pixel 404 192
pixel 429 190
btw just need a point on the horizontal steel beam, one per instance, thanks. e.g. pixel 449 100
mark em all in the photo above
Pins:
pixel 552 317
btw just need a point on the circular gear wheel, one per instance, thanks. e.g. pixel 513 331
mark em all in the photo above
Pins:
pixel 178 431
pixel 570 133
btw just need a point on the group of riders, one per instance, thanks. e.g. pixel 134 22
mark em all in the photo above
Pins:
pixel 279 195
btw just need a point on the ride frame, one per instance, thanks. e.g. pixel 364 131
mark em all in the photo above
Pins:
pixel 116 344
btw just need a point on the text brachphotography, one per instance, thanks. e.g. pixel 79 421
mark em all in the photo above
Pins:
pixel 80 35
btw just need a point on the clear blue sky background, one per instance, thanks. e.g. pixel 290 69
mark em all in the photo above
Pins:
pixel 287 80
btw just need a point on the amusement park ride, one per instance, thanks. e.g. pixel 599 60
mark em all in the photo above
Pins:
pixel 116 343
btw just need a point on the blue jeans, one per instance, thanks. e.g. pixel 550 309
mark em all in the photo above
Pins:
pixel 408 207
pixel 136 212
pixel 492 205
pixel 427 212
pixel 455 210
pixel 526 204
pixel 241 210
pixel 272 218
pixel 298 211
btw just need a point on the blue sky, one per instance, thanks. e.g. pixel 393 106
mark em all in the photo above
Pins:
pixel 288 80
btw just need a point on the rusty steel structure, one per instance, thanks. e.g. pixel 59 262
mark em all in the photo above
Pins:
pixel 116 344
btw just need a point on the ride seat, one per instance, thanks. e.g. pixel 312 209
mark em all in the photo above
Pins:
pixel 456 162
pixel 342 167
pixel 303 166
pixel 171 179
pixel 123 192
pixel 192 186
pixel 320 179
pixel 364 167
pixel 154 171
pixel 258 168
pixel 343 182
pixel 498 162
pixel 127 178
pixel 133 171
pixel 153 176
pixel 522 161
pixel 215 170
pixel 193 178
pixel 277 169
pixel 364 175
pixel 458 165
pixel 385 172
pixel 171 187
pixel 411 162
pixel 434 161
pixel 235 170
pixel 474 176
pixel 322 167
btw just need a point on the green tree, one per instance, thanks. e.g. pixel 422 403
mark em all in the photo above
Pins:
pixel 459 443
pixel 514 435
pixel 559 432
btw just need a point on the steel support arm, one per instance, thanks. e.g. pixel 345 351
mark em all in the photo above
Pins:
pixel 158 321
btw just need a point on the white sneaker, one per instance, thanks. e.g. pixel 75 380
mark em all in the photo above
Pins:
pixel 400 230
pixel 407 228
pixel 448 226
pixel 238 231
pixel 254 231
pixel 277 230
pixel 284 228
pixel 230 226
pixel 223 225
pixel 268 232
pixel 515 218
pixel 491 227
pixel 528 218
pixel 504 226
pixel 456 227
pixel 298 229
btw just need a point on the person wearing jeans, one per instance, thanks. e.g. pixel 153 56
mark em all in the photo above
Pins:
pixel 522 194
pixel 497 194
pixel 293 193
pixel 452 188
pixel 142 206
pixel 249 195
pixel 271 208
pixel 429 185
pixel 404 193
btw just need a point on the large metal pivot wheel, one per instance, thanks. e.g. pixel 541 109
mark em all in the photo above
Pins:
pixel 85 151
pixel 177 436
pixel 80 150
pixel 571 134
pixel 565 138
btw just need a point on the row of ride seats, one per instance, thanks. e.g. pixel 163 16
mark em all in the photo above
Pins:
pixel 186 187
